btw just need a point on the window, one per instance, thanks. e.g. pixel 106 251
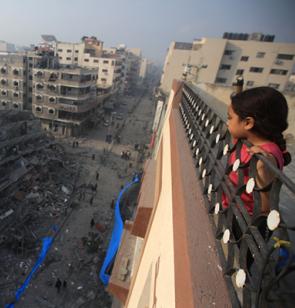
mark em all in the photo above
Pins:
pixel 75 59
pixel 113 63
pixel 250 83
pixel 60 58
pixel 239 72
pixel 255 69
pixel 30 64
pixel 68 58
pixel 260 54
pixel 220 80
pixel 106 62
pixel 103 79
pixel 225 67
pixel 278 72
pixel 105 70
pixel 39 86
pixel 76 51
pixel 228 52
pixel 69 50
pixel 284 56
pixel 59 50
pixel 95 61
pixel 30 77
pixel 274 85
pixel 244 58
pixel 86 60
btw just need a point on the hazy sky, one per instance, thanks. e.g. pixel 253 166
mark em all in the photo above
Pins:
pixel 148 24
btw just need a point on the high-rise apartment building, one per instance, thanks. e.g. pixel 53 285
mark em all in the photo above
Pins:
pixel 16 77
pixel 91 54
pixel 13 90
pixel 65 99
pixel 219 60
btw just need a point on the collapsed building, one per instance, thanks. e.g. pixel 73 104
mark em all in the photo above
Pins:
pixel 33 194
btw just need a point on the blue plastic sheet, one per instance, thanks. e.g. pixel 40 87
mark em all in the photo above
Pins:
pixel 46 243
pixel 116 235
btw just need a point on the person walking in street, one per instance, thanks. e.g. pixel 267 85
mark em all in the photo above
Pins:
pixel 92 222
pixel 58 285
pixel 97 175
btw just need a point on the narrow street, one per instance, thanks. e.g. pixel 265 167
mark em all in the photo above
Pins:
pixel 79 249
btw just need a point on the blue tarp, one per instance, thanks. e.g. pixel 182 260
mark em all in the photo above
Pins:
pixel 46 243
pixel 116 235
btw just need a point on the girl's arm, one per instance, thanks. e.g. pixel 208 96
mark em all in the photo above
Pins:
pixel 264 176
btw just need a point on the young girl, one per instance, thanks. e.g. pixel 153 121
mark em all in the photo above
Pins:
pixel 258 115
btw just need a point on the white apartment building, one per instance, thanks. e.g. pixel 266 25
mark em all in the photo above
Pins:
pixel 220 60
pixel 91 54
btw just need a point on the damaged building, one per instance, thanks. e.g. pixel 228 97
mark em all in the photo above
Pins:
pixel 33 194
pixel 65 99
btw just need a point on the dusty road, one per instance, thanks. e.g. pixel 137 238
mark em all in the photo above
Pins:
pixel 79 249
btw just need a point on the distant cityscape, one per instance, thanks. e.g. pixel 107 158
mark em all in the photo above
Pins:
pixel 65 84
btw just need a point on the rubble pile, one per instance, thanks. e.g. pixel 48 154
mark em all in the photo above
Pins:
pixel 37 180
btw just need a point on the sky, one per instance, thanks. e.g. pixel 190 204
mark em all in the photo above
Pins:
pixel 148 24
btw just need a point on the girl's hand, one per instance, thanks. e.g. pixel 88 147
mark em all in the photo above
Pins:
pixel 256 149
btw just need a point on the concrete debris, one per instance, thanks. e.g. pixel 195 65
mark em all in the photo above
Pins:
pixel 60 185
pixel 33 167
pixel 65 190
pixel 91 295
pixel 6 214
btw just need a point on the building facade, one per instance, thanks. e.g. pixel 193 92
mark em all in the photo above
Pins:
pixel 221 60
pixel 65 99
pixel 91 54
pixel 13 82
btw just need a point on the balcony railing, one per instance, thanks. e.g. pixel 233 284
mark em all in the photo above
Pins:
pixel 258 264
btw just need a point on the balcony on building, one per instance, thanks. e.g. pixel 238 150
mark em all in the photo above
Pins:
pixel 178 249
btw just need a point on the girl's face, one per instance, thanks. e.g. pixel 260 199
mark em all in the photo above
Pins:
pixel 235 125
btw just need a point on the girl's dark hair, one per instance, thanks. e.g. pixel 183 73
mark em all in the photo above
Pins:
pixel 269 109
